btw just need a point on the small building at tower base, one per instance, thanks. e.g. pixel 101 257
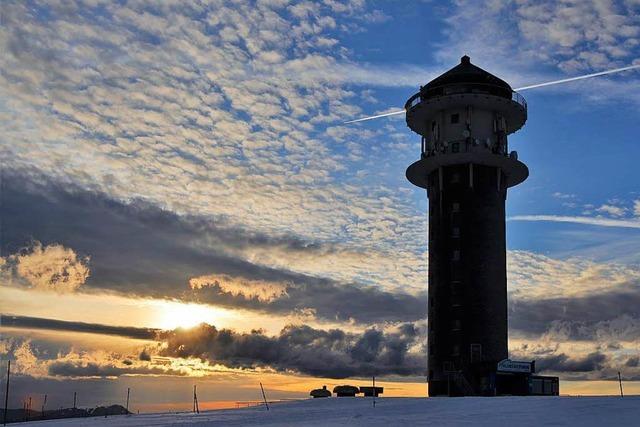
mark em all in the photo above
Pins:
pixel 508 378
pixel 517 378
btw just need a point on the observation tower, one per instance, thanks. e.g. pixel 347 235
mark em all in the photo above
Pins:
pixel 464 117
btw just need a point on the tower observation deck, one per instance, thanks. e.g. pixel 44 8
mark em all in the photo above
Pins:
pixel 464 117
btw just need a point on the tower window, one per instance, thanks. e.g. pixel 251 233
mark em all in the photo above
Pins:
pixel 476 353
pixel 456 288
pixel 455 147
pixel 455 178
pixel 455 232
pixel 455 351
pixel 455 118
pixel 456 255
pixel 455 207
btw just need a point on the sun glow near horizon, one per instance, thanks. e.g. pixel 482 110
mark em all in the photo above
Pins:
pixel 176 314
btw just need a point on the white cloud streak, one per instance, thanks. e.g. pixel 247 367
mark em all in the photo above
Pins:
pixel 598 221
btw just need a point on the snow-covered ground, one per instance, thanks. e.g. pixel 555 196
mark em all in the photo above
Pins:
pixel 466 411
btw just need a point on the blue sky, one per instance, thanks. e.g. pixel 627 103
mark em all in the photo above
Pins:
pixel 194 157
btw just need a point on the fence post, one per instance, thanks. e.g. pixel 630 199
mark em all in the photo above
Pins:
pixel 620 382
pixel 6 395
pixel 264 397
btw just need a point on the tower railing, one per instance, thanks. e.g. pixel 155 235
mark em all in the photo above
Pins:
pixel 515 96
pixel 417 99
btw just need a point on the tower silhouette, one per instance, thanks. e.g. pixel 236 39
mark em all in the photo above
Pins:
pixel 464 117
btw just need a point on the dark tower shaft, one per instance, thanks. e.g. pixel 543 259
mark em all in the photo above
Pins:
pixel 464 117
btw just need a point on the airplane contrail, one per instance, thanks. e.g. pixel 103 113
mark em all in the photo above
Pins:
pixel 555 82
pixel 375 117
pixel 572 79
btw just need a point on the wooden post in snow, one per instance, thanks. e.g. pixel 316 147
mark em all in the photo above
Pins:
pixel 6 395
pixel 374 391
pixel 620 382
pixel 196 408
pixel 128 392
pixel 264 397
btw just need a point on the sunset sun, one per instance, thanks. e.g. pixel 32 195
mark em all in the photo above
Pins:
pixel 173 314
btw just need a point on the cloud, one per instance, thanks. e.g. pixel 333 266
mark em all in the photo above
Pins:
pixel 60 325
pixel 204 350
pixel 573 300
pixel 612 210
pixel 31 358
pixel 52 267
pixel 248 289
pixel 26 361
pixel 141 250
pixel 144 355
pixel 325 299
pixel 200 100
pixel 86 369
pixel 305 350
pixel 563 363
pixel 560 195
pixel 517 39
pixel 536 277
pixel 569 348
pixel 599 221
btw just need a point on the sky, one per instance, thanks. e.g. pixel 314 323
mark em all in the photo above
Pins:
pixel 182 203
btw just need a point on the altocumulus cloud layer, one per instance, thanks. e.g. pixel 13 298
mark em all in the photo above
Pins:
pixel 217 110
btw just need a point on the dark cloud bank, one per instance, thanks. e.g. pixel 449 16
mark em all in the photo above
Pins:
pixel 140 249
pixel 297 349
pixel 333 353
pixel 614 315
pixel 26 322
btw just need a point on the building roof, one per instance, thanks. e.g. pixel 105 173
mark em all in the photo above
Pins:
pixel 320 392
pixel 346 389
pixel 466 77
pixel 370 388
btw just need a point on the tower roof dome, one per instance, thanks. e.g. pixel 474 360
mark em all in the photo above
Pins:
pixel 464 78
